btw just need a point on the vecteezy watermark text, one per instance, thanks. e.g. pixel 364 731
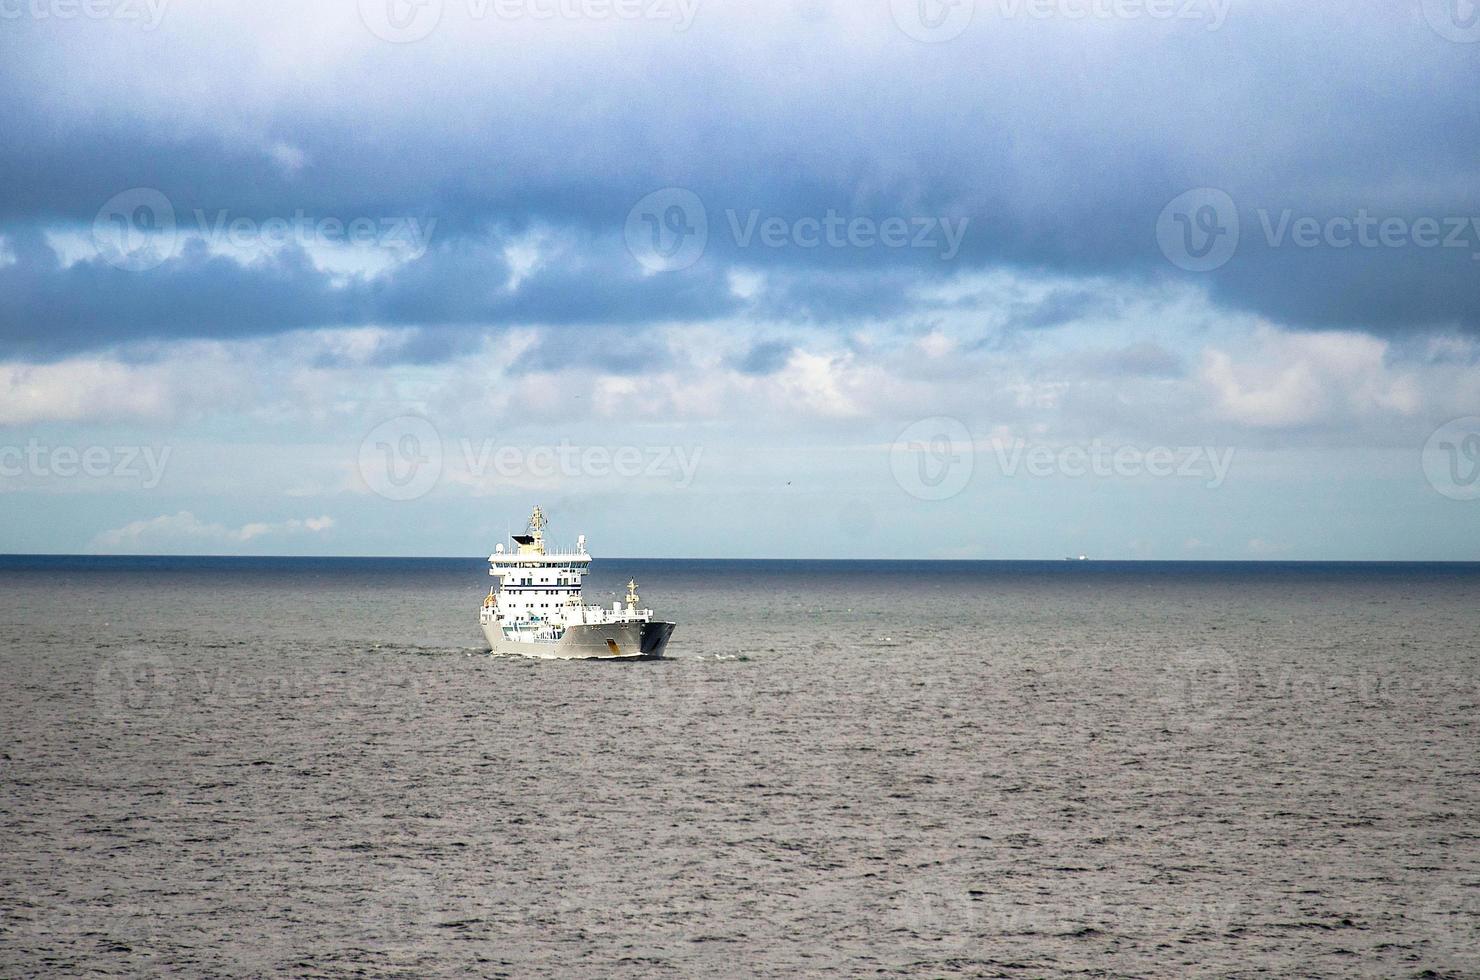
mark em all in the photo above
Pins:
pixel 1213 12
pixel 935 21
pixel 1363 230
pixel 140 679
pixel 834 230
pixel 139 229
pixel 1201 687
pixel 669 229
pixel 933 459
pixel 1207 463
pixel 145 464
pixel 406 21
pixel 404 232
pixel 680 13
pixel 146 13
pixel 1200 230
pixel 568 460
pixel 403 458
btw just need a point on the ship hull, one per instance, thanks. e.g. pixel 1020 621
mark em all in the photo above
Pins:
pixel 596 641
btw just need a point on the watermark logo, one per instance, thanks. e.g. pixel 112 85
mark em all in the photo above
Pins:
pixel 406 904
pixel 939 912
pixel 1197 688
pixel 1198 230
pixel 135 680
pixel 134 230
pixel 1454 20
pixel 932 21
pixel 668 229
pixel 401 21
pixel 933 458
pixel 401 458
pixel 669 694
pixel 1450 915
pixel 1451 458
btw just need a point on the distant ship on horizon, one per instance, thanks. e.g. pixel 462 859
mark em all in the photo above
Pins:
pixel 536 609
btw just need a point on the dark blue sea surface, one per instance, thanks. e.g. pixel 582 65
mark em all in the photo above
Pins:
pixel 312 767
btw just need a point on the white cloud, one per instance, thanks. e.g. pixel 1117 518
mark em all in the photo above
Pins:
pixel 80 390
pixel 327 388
pixel 184 529
pixel 1295 379
pixel 289 157
pixel 936 344
pixel 745 283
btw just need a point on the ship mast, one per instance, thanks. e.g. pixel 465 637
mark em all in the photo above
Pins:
pixel 537 528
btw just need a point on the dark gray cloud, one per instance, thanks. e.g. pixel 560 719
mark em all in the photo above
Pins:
pixel 765 358
pixel 562 350
pixel 1139 360
pixel 1057 144
pixel 48 309
pixel 1061 306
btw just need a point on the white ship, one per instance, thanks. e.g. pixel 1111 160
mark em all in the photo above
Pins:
pixel 536 610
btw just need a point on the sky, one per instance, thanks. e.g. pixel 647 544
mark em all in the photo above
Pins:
pixel 1136 279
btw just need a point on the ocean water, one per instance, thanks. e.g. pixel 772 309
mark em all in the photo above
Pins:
pixel 309 767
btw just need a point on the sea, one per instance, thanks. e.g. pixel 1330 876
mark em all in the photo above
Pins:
pixel 313 768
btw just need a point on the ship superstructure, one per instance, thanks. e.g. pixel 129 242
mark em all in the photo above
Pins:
pixel 536 609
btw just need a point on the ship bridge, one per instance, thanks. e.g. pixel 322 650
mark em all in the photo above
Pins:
pixel 544 586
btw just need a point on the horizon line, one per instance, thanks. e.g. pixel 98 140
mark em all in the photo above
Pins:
pixel 607 558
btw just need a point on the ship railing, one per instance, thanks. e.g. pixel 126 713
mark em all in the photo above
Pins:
pixel 514 556
pixel 605 614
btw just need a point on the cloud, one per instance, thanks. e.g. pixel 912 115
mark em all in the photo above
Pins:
pixel 50 307
pixel 1060 143
pixel 1295 380
pixel 185 530
pixel 79 390
pixel 1139 359
pixel 165 384
pixel 1061 383
pixel 765 358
